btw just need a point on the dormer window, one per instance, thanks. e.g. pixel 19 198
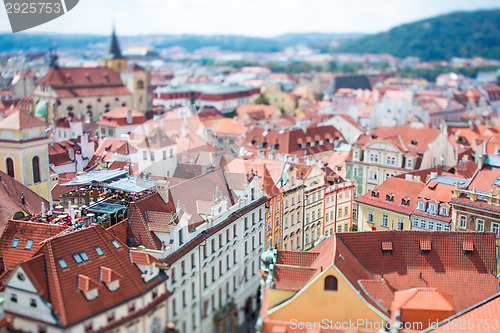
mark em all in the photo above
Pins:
pixel 356 155
pixel 387 248
pixel 468 248
pixel 375 193
pixel 88 287
pixel 432 208
pixel 425 247
pixel 443 210
pixel 421 206
pixel 414 142
pixel 405 201
pixel 409 163
pixel 389 197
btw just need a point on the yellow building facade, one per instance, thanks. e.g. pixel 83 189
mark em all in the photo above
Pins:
pixel 315 304
pixel 24 153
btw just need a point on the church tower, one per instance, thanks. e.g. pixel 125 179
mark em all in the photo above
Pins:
pixel 114 59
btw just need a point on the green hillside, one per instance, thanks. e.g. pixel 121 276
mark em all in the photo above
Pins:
pixel 459 34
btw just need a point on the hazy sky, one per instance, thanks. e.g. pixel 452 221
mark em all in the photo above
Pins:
pixel 246 17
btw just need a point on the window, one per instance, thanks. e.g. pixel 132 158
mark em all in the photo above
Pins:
pixel 409 163
pixel 355 171
pixel 10 167
pixel 192 260
pixel 423 224
pixel 115 243
pixel 431 225
pixel 13 298
pixel 164 155
pixel 88 327
pixel 414 221
pixel 277 221
pixel 62 263
pixel 463 221
pixel 36 169
pixel 339 213
pixel 331 283
pixel 480 225
pixel 346 211
pixel 495 228
pixel 370 216
pixel 15 242
pixel 99 251
pixel 421 205
pixel 145 155
pixel 385 220
pixel 356 155
pixel 354 212
pixel 401 223
pixel 443 210
pixel 80 257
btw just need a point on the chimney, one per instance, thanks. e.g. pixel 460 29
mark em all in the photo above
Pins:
pixel 129 116
pixel 162 189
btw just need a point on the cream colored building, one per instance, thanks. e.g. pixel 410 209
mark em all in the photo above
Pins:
pixel 24 153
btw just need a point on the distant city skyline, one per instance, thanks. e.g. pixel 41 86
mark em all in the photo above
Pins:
pixel 258 18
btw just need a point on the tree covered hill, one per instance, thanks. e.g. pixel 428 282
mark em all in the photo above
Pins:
pixel 458 34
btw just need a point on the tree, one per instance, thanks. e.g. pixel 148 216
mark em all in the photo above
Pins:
pixel 262 99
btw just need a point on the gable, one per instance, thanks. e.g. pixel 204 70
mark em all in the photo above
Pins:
pixel 313 303
pixel 18 279
pixel 383 145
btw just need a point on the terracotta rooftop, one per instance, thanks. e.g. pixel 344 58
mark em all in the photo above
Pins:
pixel 11 192
pixel 486 310
pixel 139 231
pixel 20 120
pixel 61 286
pixel 405 138
pixel 467 279
pixel 397 189
pixel 296 258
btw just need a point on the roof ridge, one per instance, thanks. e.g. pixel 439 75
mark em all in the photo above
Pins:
pixel 57 291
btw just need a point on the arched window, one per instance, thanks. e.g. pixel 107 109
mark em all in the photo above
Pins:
pixel 331 283
pixel 10 167
pixel 36 169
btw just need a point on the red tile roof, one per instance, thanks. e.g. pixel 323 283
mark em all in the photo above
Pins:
pixel 292 278
pixel 10 197
pixel 201 188
pixel 20 120
pixel 81 76
pixel 446 268
pixel 60 287
pixel 399 188
pixel 296 258
pixel 24 231
pixel 138 227
pixel 142 258
pixel 483 314
pixel 289 141
pixel 118 117
pixel 405 138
